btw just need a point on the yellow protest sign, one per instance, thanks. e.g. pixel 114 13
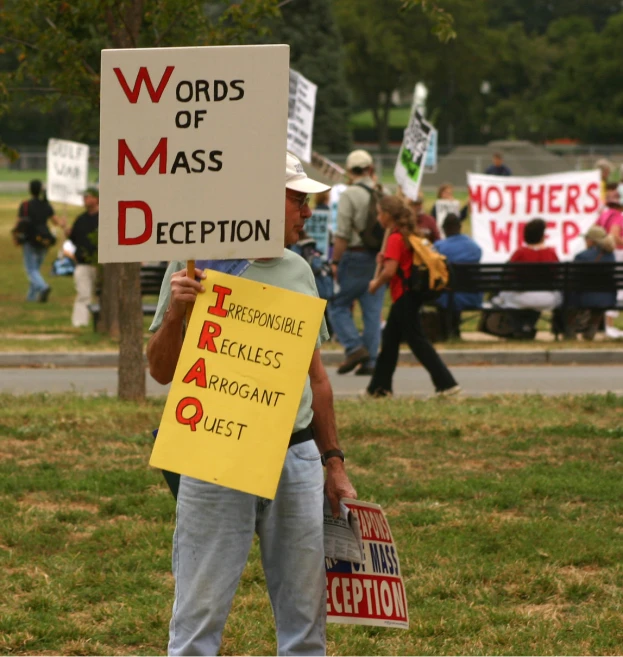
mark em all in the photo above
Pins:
pixel 238 384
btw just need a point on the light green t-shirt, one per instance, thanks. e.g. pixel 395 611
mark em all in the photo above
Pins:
pixel 291 273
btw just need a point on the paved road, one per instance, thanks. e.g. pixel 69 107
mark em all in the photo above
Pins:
pixel 409 381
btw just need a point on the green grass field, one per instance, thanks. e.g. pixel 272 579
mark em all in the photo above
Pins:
pixel 398 118
pixel 506 512
pixel 17 175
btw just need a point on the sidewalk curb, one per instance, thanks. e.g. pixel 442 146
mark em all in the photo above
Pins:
pixel 452 358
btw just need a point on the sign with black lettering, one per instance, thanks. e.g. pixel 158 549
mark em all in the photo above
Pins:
pixel 67 171
pixel 301 109
pixel 372 592
pixel 192 153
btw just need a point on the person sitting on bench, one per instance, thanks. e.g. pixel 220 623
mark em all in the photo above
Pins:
pixel 458 248
pixel 532 301
pixel 599 248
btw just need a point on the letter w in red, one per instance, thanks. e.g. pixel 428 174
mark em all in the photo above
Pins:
pixel 143 76
pixel 123 152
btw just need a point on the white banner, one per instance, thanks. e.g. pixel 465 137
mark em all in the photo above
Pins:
pixel 67 171
pixel 410 163
pixel 192 153
pixel 502 205
pixel 301 109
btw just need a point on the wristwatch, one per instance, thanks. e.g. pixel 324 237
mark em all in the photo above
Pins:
pixel 330 454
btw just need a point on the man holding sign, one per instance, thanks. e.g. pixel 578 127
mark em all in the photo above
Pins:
pixel 215 525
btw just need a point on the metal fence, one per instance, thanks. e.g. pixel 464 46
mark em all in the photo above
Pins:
pixel 452 163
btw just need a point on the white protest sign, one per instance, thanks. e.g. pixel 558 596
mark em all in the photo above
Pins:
pixel 192 153
pixel 501 207
pixel 444 207
pixel 67 171
pixel 301 108
pixel 372 592
pixel 410 163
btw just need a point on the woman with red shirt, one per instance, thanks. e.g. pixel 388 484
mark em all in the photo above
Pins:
pixel 534 250
pixel 403 322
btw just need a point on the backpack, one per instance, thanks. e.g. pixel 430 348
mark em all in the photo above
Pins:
pixel 373 233
pixel 431 273
pixel 34 232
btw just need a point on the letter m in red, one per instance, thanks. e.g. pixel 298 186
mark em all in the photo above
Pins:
pixel 143 76
pixel 123 152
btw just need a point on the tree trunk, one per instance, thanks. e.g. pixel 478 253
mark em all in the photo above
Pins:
pixel 109 311
pixel 382 122
pixel 124 18
pixel 131 365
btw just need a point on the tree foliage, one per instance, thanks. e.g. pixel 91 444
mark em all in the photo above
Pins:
pixel 316 51
pixel 57 46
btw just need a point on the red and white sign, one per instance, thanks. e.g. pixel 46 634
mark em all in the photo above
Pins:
pixel 501 206
pixel 192 153
pixel 373 592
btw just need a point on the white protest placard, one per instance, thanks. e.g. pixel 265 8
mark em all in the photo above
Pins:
pixel 192 153
pixel 444 207
pixel 502 205
pixel 372 592
pixel 301 108
pixel 410 163
pixel 67 171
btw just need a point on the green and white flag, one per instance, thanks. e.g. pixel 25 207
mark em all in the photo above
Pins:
pixel 410 164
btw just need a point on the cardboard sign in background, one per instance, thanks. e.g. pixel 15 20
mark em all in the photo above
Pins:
pixel 238 384
pixel 444 207
pixel 410 163
pixel 501 206
pixel 301 110
pixel 371 593
pixel 192 153
pixel 317 226
pixel 67 171
pixel 430 161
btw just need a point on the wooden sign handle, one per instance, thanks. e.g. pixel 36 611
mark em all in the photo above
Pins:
pixel 190 273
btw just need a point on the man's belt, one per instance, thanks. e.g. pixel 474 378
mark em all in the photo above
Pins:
pixel 301 436
pixel 357 249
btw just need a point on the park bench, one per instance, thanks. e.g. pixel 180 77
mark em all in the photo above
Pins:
pixel 564 277
pixel 151 280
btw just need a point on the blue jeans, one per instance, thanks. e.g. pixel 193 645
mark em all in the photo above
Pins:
pixel 33 259
pixel 355 271
pixel 211 544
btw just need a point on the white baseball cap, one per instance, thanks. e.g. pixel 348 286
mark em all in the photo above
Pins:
pixel 359 159
pixel 297 179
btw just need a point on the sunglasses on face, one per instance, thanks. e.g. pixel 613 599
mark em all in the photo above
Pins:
pixel 302 201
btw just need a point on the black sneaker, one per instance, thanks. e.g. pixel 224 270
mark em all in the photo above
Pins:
pixel 353 359
pixel 43 296
pixel 364 370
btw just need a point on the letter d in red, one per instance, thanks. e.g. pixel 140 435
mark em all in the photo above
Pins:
pixel 123 208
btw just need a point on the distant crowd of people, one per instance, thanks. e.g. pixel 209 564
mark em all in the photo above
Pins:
pixel 360 275
pixel 78 254
pixel 353 273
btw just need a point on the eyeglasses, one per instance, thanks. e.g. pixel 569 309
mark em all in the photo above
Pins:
pixel 302 201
